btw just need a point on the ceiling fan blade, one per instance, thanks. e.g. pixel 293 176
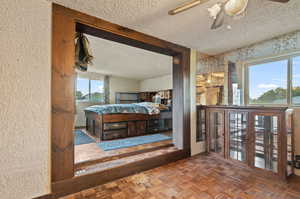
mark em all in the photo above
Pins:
pixel 280 1
pixel 186 6
pixel 218 22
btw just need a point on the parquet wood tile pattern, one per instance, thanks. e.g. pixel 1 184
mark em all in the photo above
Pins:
pixel 199 177
pixel 87 152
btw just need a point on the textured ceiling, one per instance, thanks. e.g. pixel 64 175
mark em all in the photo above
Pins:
pixel 263 20
pixel 125 61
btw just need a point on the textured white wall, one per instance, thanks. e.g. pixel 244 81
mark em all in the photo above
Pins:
pixel 119 84
pixel 157 83
pixel 25 54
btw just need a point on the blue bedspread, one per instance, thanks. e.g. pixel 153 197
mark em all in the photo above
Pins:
pixel 142 108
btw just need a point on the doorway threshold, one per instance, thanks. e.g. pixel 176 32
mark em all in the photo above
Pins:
pixel 121 160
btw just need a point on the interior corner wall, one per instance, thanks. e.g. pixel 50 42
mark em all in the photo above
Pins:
pixel 119 84
pixel 25 82
pixel 156 84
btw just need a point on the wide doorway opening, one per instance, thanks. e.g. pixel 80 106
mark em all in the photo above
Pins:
pixel 74 92
pixel 124 105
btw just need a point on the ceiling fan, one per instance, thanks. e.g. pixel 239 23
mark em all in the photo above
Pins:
pixel 220 10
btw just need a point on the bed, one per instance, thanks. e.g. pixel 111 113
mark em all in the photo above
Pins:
pixel 114 121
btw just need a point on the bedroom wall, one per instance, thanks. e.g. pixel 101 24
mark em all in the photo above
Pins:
pixel 119 84
pixel 25 74
pixel 157 83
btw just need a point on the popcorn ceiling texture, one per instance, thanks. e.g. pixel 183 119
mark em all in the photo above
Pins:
pixel 263 20
pixel 25 37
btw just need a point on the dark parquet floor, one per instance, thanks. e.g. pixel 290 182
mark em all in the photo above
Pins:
pixel 199 177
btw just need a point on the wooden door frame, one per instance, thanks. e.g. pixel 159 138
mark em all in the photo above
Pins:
pixel 65 22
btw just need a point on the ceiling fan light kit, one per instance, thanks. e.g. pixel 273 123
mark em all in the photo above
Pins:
pixel 215 10
pixel 235 7
pixel 218 11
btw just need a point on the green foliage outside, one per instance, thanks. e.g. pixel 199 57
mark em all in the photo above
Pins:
pixel 275 96
pixel 79 95
pixel 95 97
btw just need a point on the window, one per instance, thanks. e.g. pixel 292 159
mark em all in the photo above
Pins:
pixel 275 82
pixel 82 89
pixel 96 91
pixel 268 83
pixel 296 81
pixel 89 90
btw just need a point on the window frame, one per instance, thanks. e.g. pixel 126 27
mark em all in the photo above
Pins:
pixel 89 91
pixel 289 58
pixel 290 82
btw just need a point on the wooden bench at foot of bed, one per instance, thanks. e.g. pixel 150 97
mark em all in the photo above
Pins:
pixel 114 126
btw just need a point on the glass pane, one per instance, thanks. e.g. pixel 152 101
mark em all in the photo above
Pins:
pixel 217 131
pixel 201 131
pixel 210 88
pixel 296 81
pixel 268 83
pixel 234 89
pixel 82 89
pixel 266 142
pixel 289 128
pixel 238 135
pixel 97 91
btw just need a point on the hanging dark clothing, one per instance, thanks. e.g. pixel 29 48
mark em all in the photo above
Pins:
pixel 83 56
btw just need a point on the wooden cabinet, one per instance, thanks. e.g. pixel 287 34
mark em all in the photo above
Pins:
pixel 132 128
pixel 266 136
pixel 238 138
pixel 117 130
pixel 141 127
pixel 153 126
pixel 216 132
pixel 257 137
pixel 201 127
